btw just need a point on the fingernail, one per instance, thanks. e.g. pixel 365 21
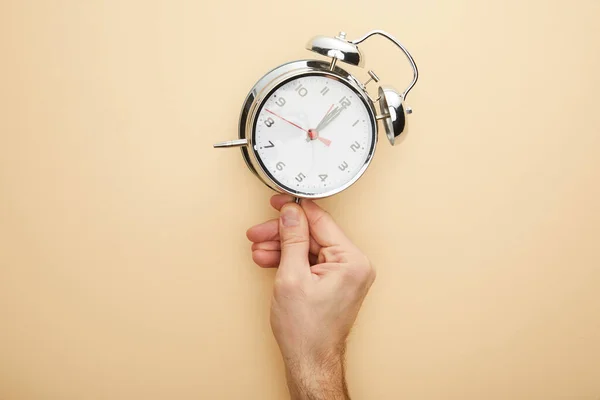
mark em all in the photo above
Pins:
pixel 290 216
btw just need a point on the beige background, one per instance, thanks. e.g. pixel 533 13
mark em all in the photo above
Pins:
pixel 124 269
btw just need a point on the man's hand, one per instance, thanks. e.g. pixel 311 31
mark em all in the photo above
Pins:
pixel 319 288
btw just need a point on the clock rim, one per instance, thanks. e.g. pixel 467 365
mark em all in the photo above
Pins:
pixel 263 89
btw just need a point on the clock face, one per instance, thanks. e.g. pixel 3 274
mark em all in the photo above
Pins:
pixel 314 135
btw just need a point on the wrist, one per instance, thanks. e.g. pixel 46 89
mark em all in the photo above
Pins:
pixel 318 378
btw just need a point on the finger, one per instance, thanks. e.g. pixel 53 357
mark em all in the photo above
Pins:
pixel 278 200
pixel 269 246
pixel 295 242
pixel 323 228
pixel 325 268
pixel 264 232
pixel 266 259
pixel 315 247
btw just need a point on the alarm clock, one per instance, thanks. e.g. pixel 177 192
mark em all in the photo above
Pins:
pixel 309 128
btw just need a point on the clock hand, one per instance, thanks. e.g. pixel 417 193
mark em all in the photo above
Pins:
pixel 326 142
pixel 289 122
pixel 313 134
pixel 324 116
pixel 332 115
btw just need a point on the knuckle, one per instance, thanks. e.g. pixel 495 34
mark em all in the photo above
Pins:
pixel 355 276
pixel 362 273
pixel 373 273
pixel 335 254
pixel 369 269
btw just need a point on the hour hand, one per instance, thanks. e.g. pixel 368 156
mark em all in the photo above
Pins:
pixel 329 118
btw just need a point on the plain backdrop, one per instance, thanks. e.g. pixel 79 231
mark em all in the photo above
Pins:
pixel 124 268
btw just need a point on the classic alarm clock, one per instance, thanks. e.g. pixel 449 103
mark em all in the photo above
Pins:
pixel 309 128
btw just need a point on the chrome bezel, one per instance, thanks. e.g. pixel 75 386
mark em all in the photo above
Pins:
pixel 263 89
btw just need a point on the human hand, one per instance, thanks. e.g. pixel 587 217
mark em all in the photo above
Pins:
pixel 319 288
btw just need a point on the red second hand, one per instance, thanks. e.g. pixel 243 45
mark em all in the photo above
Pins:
pixel 289 122
pixel 327 142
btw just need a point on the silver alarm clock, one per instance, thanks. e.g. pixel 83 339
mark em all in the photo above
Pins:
pixel 309 128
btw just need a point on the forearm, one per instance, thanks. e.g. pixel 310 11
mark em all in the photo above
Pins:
pixel 317 381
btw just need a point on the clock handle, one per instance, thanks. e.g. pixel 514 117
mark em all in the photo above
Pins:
pixel 406 53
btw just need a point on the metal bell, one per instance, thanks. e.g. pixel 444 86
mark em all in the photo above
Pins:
pixel 337 48
pixel 392 112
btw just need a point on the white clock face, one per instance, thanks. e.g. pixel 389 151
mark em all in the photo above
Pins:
pixel 314 135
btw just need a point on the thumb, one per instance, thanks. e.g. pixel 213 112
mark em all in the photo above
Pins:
pixel 294 237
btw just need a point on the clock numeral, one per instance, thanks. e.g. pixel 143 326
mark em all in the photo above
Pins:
pixel 280 102
pixel 301 90
pixel 323 177
pixel 355 146
pixel 300 177
pixel 324 91
pixel 269 122
pixel 280 166
pixel 344 102
pixel 343 166
pixel 270 145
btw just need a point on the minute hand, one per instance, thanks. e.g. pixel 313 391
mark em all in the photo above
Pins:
pixel 329 118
